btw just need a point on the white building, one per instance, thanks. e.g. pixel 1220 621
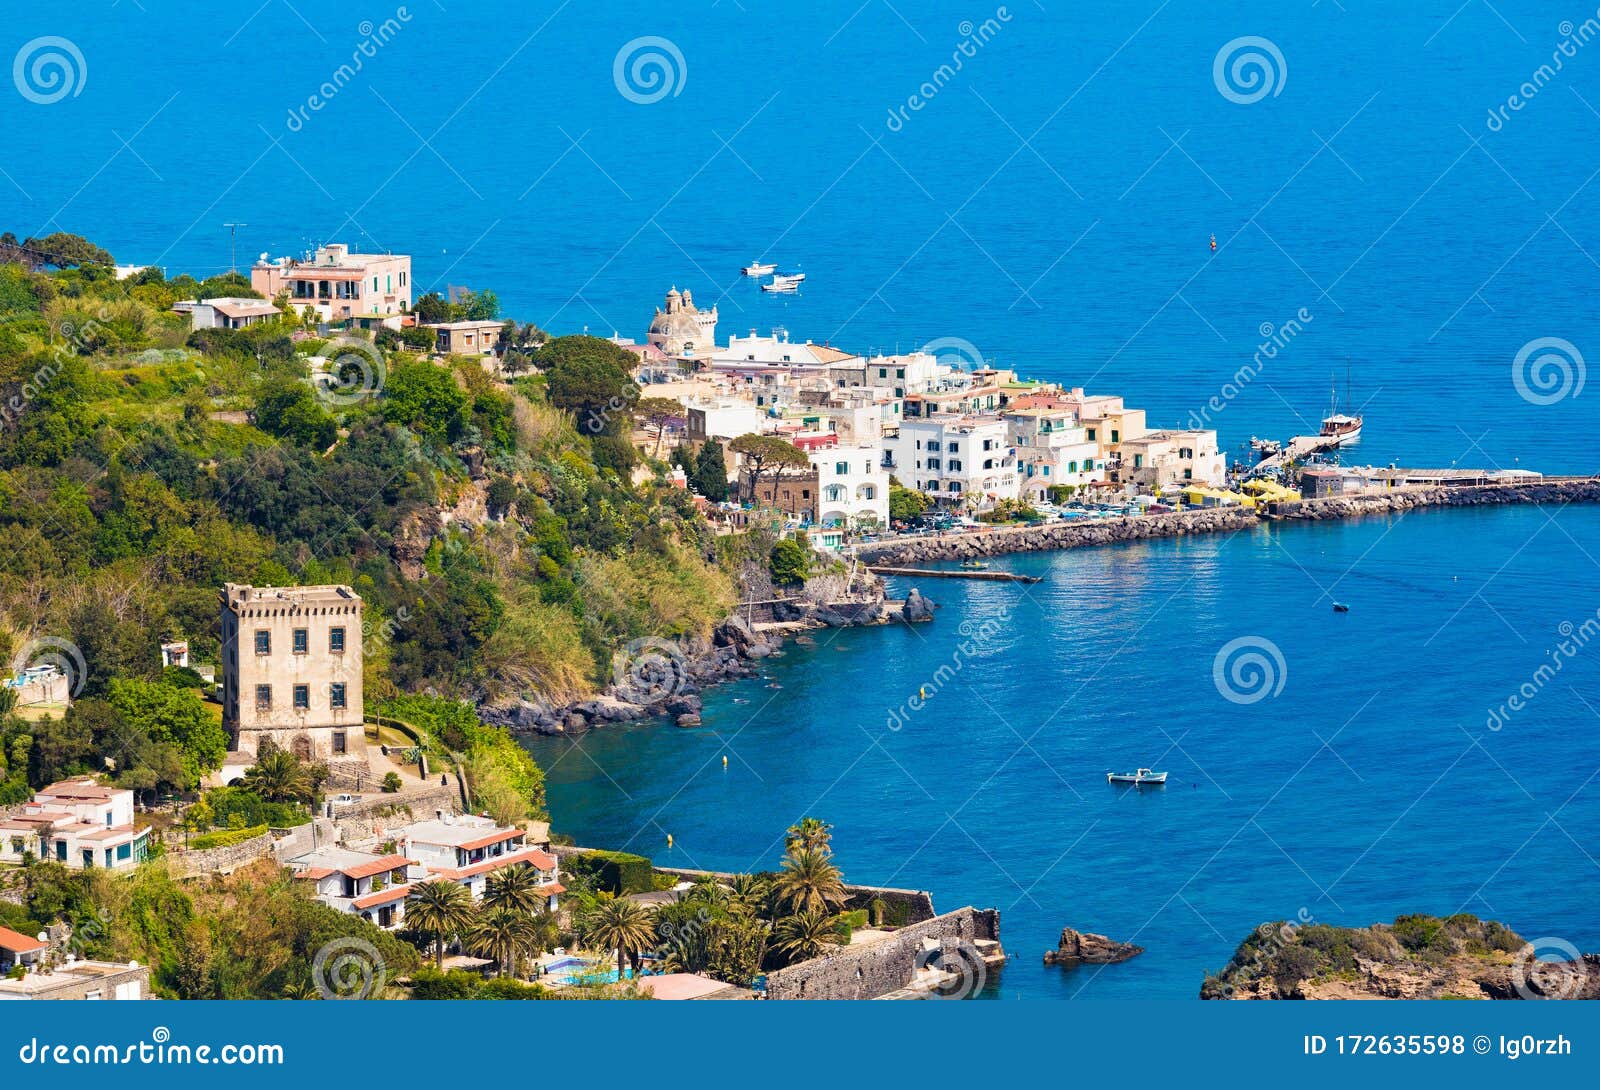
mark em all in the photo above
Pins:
pixel 78 823
pixel 371 886
pixel 962 461
pixel 467 849
pixel 1052 449
pixel 852 491
pixel 722 420
pixel 227 313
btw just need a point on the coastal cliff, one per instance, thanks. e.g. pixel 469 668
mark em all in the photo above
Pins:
pixel 1416 957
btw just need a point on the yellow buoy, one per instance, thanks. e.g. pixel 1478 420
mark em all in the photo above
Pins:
pixel 724 760
pixel 923 692
pixel 669 840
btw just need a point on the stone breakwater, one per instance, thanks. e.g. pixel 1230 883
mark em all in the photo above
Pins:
pixel 1586 490
pixel 1046 536
pixel 1086 532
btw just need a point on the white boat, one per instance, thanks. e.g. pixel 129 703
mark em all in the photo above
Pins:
pixel 757 268
pixel 788 278
pixel 1142 776
pixel 785 287
pixel 1341 427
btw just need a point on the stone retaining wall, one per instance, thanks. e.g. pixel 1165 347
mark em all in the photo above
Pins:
pixel 878 968
pixel 901 906
pixel 376 814
pixel 221 860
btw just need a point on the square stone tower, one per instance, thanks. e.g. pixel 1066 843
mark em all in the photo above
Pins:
pixel 291 670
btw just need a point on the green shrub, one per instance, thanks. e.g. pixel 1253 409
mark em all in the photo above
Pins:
pixel 391 782
pixel 613 872
pixel 225 838
pixel 427 983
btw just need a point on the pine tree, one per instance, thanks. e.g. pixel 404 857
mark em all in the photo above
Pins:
pixel 711 472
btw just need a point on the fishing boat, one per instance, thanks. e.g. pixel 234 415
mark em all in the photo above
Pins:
pixel 758 268
pixel 1340 607
pixel 974 564
pixel 782 286
pixel 1341 427
pixel 1141 777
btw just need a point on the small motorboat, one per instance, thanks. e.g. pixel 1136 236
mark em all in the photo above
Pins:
pixel 1340 607
pixel 1141 777
pixel 757 268
pixel 975 565
pixel 782 286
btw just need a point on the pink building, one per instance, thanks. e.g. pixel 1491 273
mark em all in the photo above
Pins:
pixel 338 284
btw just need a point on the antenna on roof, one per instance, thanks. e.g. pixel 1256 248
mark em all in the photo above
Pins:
pixel 233 245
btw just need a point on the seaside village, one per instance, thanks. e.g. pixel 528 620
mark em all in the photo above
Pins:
pixel 972 439
pixel 813 435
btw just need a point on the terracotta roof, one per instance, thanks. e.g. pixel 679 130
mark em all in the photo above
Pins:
pixel 316 874
pixel 493 838
pixel 78 789
pixel 19 943
pixel 377 866
pixel 542 860
pixel 382 897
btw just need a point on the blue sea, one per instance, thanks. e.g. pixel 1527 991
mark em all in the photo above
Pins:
pixel 1402 203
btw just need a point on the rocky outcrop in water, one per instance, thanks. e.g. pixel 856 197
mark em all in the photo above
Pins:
pixel 1416 957
pixel 1079 948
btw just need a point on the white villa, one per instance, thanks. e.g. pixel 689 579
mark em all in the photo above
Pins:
pixel 467 849
pixel 79 823
pixel 371 886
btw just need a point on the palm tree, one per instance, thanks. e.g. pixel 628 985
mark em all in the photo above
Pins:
pixel 515 888
pixel 621 925
pixel 809 880
pixel 709 892
pixel 749 892
pixel 504 934
pixel 806 934
pixel 440 908
pixel 278 776
pixel 812 833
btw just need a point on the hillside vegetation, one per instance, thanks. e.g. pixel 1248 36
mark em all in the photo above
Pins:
pixel 504 535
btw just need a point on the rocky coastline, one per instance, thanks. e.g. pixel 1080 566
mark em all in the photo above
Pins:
pixel 662 679
pixel 1416 957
